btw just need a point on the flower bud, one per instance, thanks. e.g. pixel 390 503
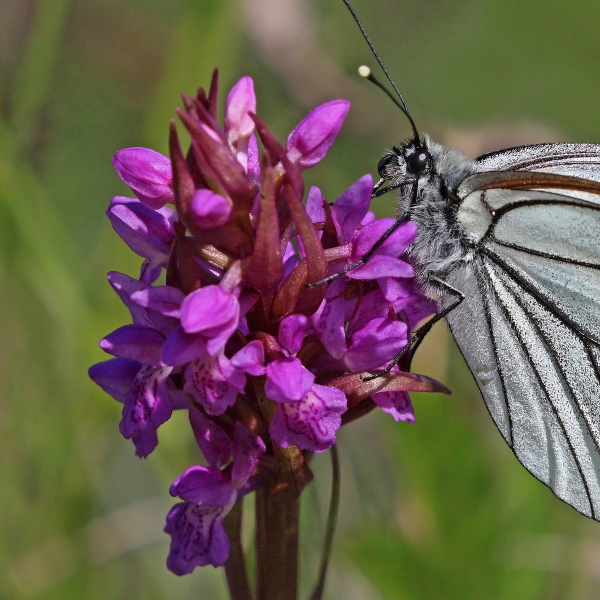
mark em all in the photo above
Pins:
pixel 147 173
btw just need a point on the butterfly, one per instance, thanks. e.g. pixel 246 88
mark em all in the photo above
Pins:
pixel 510 244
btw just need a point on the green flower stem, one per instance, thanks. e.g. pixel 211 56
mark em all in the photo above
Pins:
pixel 235 567
pixel 277 528
pixel 334 504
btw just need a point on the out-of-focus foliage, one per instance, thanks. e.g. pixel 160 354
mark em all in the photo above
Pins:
pixel 440 509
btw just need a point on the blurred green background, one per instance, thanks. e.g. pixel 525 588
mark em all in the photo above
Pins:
pixel 439 509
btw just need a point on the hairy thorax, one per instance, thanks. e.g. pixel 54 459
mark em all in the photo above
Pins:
pixel 441 244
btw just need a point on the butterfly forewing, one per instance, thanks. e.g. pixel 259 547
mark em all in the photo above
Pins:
pixel 576 160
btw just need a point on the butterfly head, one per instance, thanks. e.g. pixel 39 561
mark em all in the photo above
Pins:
pixel 410 161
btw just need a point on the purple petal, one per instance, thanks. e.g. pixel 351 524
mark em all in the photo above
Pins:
pixel 137 342
pixel 214 383
pixel 212 311
pixel 247 450
pixel 145 442
pixel 380 265
pixel 147 173
pixel 203 486
pixel 291 332
pixel 163 299
pixel 378 342
pixel 395 245
pixel 371 306
pixel 115 376
pixel 351 207
pixel 329 320
pixel 212 440
pixel 209 210
pixel 288 380
pixel 240 101
pixel 151 269
pixel 181 347
pixel 404 295
pixel 148 404
pixel 126 287
pixel 397 404
pixel 198 537
pixel 290 259
pixel 251 358
pixel 313 136
pixel 253 160
pixel 312 423
pixel 147 232
pixel 314 205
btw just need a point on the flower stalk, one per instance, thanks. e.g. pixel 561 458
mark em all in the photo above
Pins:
pixel 277 530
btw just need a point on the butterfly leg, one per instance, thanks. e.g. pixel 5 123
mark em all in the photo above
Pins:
pixel 419 335
pixel 367 255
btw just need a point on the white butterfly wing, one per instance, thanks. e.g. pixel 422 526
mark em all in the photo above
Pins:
pixel 577 160
pixel 529 326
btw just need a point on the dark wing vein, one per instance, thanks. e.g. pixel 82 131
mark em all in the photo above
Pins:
pixel 541 382
pixel 556 257
pixel 527 285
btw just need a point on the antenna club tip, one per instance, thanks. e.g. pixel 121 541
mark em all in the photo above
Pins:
pixel 364 71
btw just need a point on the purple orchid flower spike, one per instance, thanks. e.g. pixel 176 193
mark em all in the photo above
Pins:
pixel 311 139
pixel 147 173
pixel 224 325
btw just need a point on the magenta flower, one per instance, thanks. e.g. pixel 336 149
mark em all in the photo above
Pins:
pixel 267 367
pixel 208 493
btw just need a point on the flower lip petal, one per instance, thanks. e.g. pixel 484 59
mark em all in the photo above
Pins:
pixel 312 423
pixel 198 537
pixel 313 136
pixel 287 380
pixel 148 404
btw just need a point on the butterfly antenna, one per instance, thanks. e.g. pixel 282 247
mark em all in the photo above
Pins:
pixel 402 105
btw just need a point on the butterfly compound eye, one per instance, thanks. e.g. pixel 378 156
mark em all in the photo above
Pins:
pixel 385 163
pixel 418 161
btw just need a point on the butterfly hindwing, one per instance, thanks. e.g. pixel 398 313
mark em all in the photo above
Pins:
pixel 532 292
